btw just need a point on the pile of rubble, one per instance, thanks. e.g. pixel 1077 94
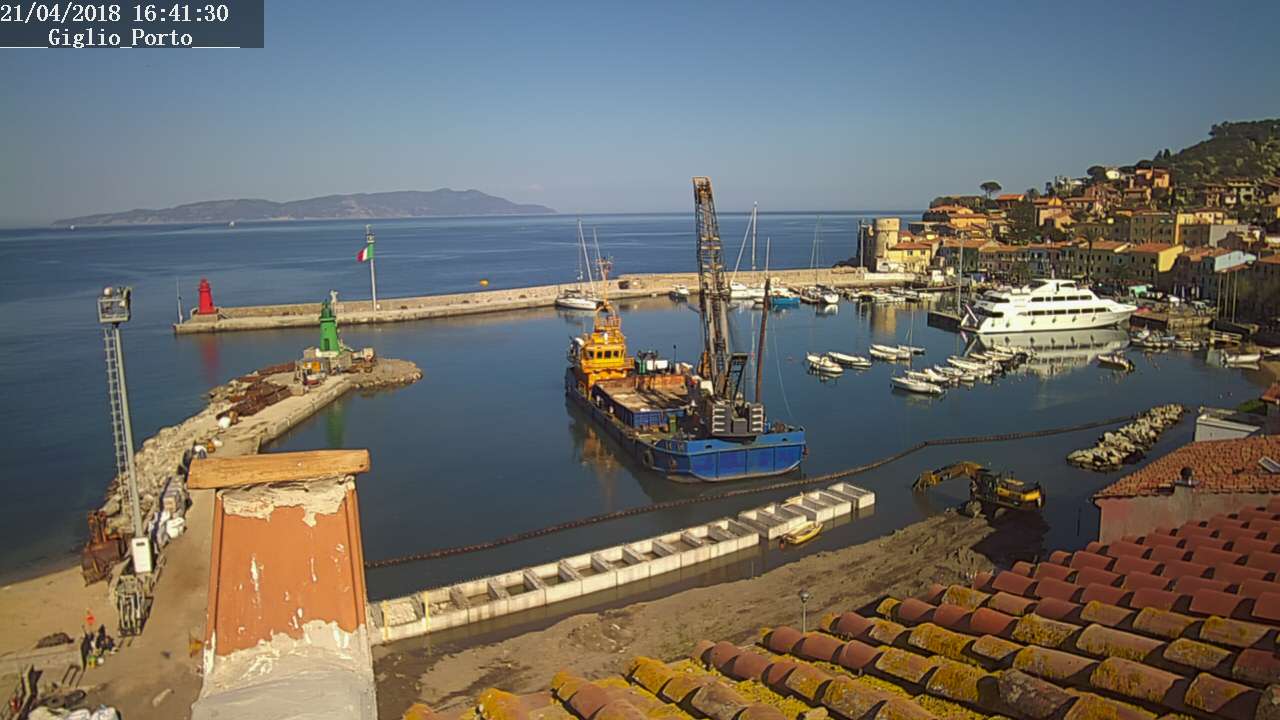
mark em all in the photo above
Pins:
pixel 1128 443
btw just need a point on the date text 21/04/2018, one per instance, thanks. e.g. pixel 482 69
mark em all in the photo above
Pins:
pixel 97 37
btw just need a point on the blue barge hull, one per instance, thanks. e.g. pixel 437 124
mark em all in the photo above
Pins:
pixel 705 459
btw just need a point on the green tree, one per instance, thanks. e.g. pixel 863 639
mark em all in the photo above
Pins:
pixel 990 187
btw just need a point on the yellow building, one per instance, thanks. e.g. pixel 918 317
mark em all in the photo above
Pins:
pixel 1146 263
pixel 909 256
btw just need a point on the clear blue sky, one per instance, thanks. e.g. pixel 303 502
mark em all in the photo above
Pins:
pixel 602 106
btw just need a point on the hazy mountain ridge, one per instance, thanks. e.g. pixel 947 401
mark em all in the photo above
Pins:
pixel 396 204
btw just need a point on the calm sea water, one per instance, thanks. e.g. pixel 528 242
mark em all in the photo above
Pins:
pixel 485 445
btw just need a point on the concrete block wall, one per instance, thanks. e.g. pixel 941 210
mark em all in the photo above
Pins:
pixel 540 585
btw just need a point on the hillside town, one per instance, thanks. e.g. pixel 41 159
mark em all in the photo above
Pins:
pixel 1163 228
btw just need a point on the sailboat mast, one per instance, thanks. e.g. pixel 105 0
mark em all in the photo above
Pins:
pixel 604 281
pixel 764 321
pixel 753 236
pixel 582 243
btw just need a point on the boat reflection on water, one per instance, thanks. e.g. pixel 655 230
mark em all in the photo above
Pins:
pixel 1056 351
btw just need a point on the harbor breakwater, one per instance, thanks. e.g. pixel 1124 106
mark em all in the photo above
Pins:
pixel 163 455
pixel 272 317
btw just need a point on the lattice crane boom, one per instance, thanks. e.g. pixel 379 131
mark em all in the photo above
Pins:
pixel 726 412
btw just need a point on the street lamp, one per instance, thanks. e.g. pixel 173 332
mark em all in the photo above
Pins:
pixel 804 612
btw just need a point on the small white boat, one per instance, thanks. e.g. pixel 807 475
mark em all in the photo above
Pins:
pixel 739 291
pixel 826 366
pixel 916 386
pixel 969 365
pixel 577 300
pixel 1269 352
pixel 856 361
pixel 885 352
pixel 812 358
pixel 815 295
pixel 1241 358
pixel 1187 344
pixel 929 376
pixel 679 292
pixel 912 349
pixel 1115 361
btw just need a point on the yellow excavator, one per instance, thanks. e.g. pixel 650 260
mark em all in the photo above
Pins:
pixel 988 491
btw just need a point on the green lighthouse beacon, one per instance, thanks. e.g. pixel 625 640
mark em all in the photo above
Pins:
pixel 330 345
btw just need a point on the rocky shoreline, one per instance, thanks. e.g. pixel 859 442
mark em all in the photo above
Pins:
pixel 1129 442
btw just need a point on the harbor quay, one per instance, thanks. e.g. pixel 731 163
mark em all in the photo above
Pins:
pixel 360 312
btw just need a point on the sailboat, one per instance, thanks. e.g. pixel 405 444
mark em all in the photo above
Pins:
pixel 579 298
pixel 779 296
pixel 816 294
pixel 742 291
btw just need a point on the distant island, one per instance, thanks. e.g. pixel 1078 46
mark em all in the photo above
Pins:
pixel 398 204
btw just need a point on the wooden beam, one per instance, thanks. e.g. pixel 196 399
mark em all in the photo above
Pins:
pixel 215 472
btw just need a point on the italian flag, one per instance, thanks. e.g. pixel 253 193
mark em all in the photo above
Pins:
pixel 366 254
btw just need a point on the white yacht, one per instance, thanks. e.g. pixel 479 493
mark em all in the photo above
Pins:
pixel 1043 305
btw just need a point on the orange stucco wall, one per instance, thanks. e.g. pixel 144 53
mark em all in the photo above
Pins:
pixel 273 575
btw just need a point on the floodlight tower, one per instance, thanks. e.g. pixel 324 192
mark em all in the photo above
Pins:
pixel 114 309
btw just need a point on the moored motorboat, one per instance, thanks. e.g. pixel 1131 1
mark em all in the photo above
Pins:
pixel 1241 358
pixel 916 386
pixel 679 292
pixel 1115 361
pixel 856 361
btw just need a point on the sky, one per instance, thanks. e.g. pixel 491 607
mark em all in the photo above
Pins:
pixel 612 107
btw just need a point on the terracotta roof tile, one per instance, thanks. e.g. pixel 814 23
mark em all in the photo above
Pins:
pixel 1092 576
pixel 1050 588
pixel 1056 609
pixel 1222 698
pixel 1135 564
pixel 1084 559
pixel 1189 585
pixel 1102 593
pixel 1237 574
pixel 1151 597
pixel 1217 466
pixel 1267 607
pixel 1051 570
pixel 952 617
pixel 1263 561
pixel 1214 602
pixel 1162 623
pixel 1183 568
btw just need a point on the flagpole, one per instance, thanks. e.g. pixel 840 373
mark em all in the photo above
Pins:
pixel 373 277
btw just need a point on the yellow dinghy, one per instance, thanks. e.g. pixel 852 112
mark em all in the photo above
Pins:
pixel 802 534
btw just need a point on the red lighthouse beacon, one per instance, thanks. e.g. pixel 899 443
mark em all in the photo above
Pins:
pixel 206 299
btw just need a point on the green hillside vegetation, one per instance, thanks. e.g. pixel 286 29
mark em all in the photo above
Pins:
pixel 1234 149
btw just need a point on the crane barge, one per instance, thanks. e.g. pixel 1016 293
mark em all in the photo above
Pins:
pixel 683 422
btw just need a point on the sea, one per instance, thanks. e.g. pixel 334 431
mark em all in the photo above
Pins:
pixel 485 445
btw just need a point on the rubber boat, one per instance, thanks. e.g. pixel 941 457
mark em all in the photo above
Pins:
pixel 826 366
pixel 802 534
